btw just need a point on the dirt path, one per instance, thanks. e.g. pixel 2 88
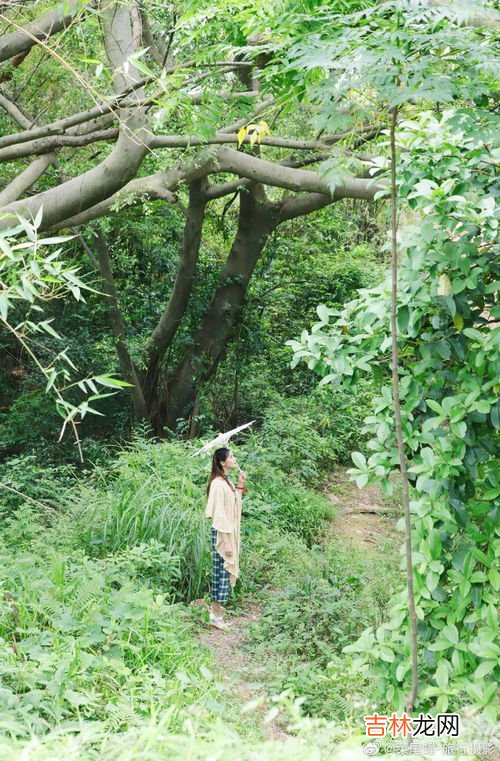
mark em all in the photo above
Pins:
pixel 240 674
pixel 364 517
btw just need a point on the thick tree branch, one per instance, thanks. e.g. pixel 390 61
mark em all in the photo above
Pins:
pixel 299 180
pixel 162 186
pixel 173 313
pixel 159 186
pixel 118 325
pixel 121 165
pixel 257 219
pixel 157 48
pixel 59 127
pixel 40 29
pixel 23 181
pixel 304 204
pixel 228 188
pixel 49 144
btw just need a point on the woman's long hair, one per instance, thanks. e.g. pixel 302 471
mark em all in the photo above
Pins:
pixel 219 456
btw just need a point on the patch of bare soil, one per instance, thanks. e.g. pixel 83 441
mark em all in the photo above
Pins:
pixel 363 516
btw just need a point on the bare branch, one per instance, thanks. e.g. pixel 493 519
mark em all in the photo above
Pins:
pixel 49 144
pixel 188 141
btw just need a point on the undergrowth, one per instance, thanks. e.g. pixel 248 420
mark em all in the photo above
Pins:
pixel 98 644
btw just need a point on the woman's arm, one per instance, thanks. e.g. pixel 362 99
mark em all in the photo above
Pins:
pixel 242 479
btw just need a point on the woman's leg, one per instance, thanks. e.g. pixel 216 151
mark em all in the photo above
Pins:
pixel 217 608
pixel 220 579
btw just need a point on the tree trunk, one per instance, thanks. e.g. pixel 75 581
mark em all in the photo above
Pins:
pixel 169 322
pixel 118 328
pixel 257 220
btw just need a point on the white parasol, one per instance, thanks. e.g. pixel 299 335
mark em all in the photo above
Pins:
pixel 222 439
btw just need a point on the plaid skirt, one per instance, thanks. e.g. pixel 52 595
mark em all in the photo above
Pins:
pixel 220 588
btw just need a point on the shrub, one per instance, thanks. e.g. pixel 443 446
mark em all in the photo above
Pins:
pixel 332 691
pixel 271 558
pixel 274 499
pixel 155 494
pixel 29 479
pixel 305 436
pixel 81 640
pixel 311 619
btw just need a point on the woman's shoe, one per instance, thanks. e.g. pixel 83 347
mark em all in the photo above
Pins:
pixel 218 622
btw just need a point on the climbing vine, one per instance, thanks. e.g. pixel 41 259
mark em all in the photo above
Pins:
pixel 449 369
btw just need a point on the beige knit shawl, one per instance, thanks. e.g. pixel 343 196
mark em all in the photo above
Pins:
pixel 224 508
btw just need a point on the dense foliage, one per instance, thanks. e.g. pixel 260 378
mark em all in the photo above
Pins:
pixel 192 265
pixel 94 626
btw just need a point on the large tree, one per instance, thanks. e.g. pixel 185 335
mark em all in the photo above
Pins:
pixel 125 102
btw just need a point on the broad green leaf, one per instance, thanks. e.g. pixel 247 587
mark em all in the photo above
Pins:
pixel 359 460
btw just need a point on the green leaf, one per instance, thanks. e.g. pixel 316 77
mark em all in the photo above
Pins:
pixel 450 632
pixel 479 555
pixel 52 377
pixel 484 668
pixel 473 333
pixel 403 319
pixel 359 460
pixel 107 380
pixel 494 577
pixel 435 546
pixel 459 429
pixel 459 556
pixel 386 654
pixel 490 650
pixel 435 406
pixel 4 306
pixel 442 675
pixel 323 313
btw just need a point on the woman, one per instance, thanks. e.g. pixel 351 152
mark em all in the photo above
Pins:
pixel 224 509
